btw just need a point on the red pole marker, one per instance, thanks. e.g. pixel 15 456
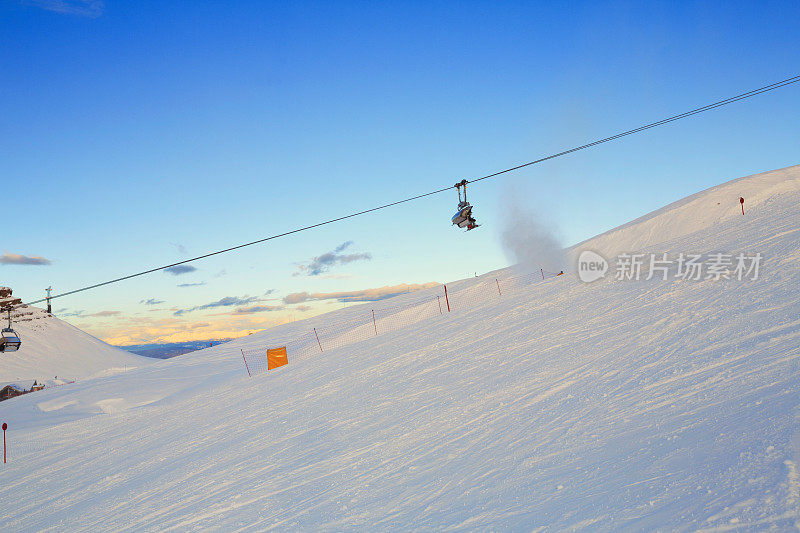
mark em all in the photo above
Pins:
pixel 317 336
pixel 373 323
pixel 498 287
pixel 446 299
pixel 245 365
pixel 5 427
pixel 542 272
pixel 741 201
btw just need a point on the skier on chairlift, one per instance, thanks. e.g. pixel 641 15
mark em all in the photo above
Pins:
pixel 463 217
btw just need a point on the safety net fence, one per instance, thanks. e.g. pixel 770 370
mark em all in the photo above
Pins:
pixel 384 318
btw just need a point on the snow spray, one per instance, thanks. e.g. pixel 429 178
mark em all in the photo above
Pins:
pixel 529 239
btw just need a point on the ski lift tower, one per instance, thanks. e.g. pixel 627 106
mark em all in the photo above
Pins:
pixel 49 310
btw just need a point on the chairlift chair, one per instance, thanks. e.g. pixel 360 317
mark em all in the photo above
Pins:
pixel 463 217
pixel 9 340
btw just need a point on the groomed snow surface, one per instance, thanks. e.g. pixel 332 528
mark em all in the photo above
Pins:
pixel 615 405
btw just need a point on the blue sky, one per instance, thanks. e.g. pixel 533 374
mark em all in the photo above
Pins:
pixel 136 134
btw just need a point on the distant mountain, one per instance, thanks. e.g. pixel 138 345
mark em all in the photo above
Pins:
pixel 171 349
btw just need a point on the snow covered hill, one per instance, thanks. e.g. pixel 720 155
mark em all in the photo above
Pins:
pixel 706 211
pixel 560 405
pixel 51 347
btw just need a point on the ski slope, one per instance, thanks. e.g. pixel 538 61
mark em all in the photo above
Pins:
pixel 615 405
pixel 51 347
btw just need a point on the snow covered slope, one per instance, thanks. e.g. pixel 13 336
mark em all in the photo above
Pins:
pixel 51 347
pixel 616 405
pixel 708 210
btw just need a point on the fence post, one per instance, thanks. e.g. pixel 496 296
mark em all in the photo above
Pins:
pixel 498 287
pixel 373 323
pixel 439 300
pixel 446 299
pixel 317 336
pixel 245 364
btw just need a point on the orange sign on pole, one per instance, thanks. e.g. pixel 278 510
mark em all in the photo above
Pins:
pixel 276 357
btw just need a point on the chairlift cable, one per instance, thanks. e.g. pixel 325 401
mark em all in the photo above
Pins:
pixel 732 99
pixel 720 103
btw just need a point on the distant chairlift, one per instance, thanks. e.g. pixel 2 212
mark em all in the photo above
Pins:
pixel 463 217
pixel 9 340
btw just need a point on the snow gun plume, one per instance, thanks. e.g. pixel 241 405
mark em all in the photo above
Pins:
pixel 527 241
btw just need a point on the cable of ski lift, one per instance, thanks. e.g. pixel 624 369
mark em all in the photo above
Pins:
pixel 708 107
pixel 673 118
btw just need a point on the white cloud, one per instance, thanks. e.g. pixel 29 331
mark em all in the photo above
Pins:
pixel 364 295
pixel 83 8
pixel 18 259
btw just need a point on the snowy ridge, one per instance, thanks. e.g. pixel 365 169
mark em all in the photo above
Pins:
pixel 51 347
pixel 702 211
pixel 560 405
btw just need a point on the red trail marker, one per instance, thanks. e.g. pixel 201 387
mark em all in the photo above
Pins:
pixel 317 336
pixel 245 365
pixel 741 201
